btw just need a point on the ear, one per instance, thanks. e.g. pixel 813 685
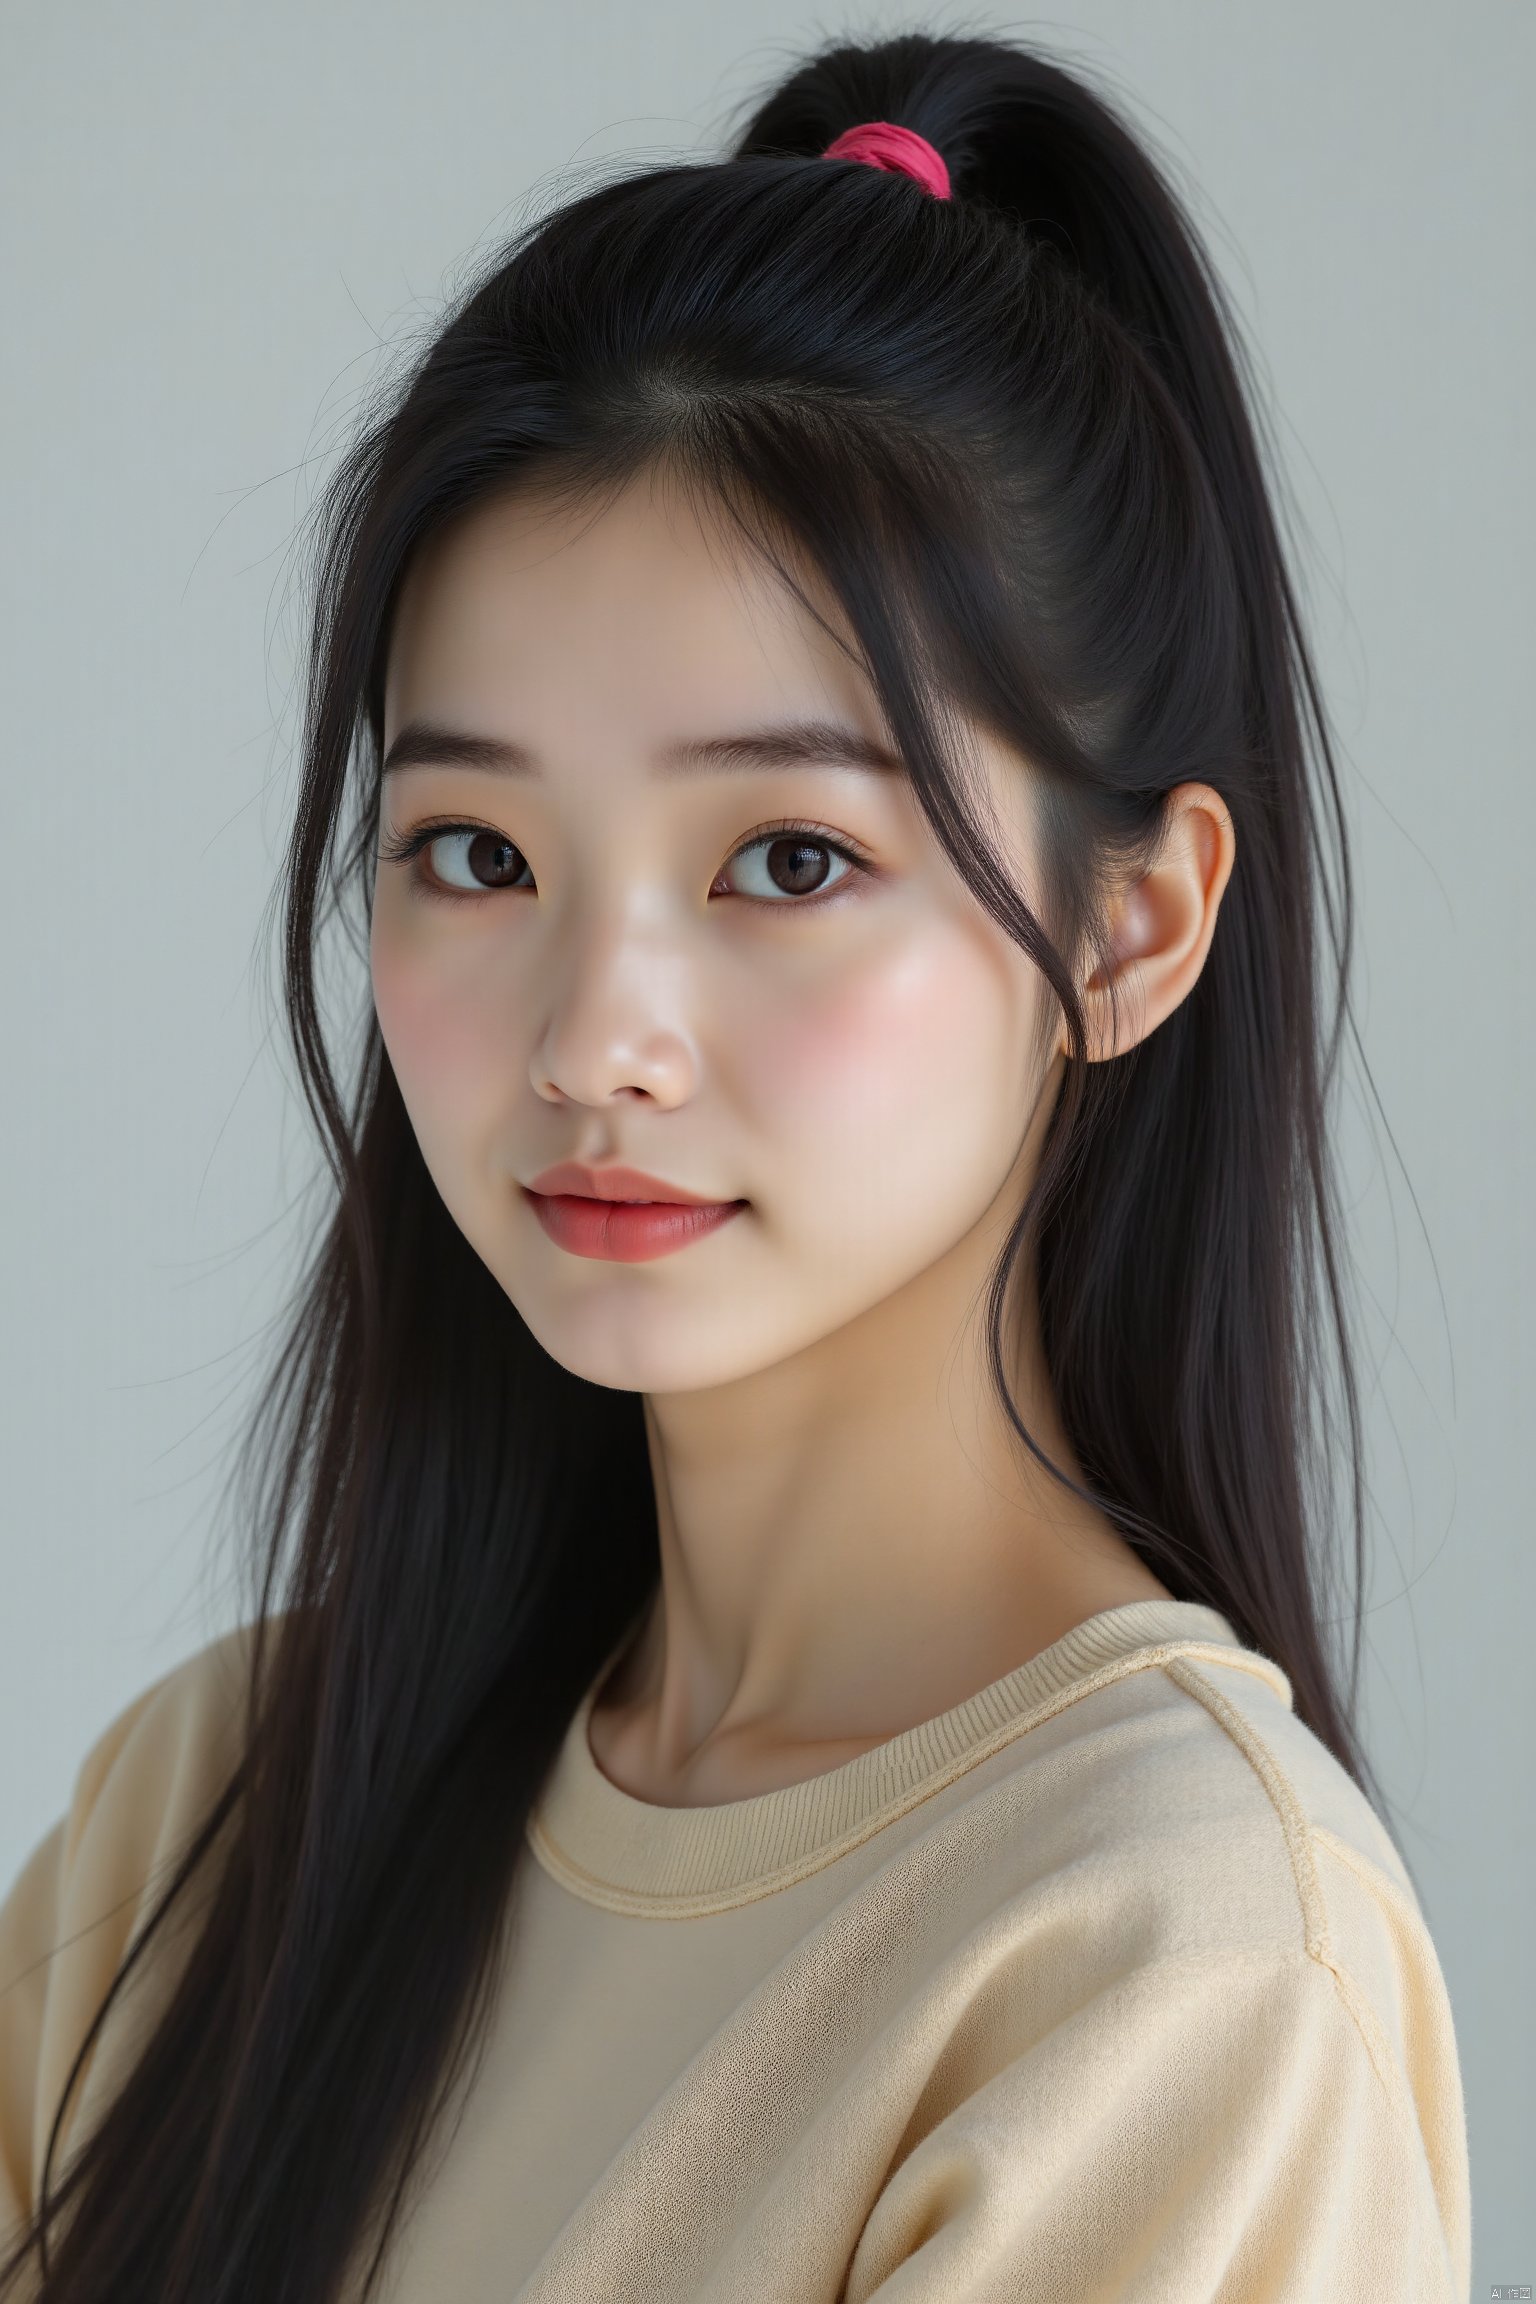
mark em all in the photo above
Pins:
pixel 1161 925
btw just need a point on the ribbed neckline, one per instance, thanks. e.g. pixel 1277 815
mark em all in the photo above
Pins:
pixel 633 1856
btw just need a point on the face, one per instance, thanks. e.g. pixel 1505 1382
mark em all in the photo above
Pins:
pixel 602 957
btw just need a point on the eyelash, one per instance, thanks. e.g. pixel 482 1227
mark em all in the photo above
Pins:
pixel 407 846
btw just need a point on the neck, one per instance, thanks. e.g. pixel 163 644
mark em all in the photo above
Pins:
pixel 855 1539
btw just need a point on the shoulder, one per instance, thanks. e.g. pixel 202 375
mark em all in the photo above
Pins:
pixel 145 1785
pixel 1179 1963
pixel 1237 1902
pixel 1188 1819
pixel 1170 1813
pixel 1189 1772
pixel 1268 1803
pixel 147 1778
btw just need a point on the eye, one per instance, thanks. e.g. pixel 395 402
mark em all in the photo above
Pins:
pixel 489 851
pixel 794 867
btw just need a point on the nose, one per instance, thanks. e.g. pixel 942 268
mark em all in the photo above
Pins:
pixel 616 1022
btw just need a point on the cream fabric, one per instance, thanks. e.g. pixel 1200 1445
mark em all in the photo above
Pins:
pixel 1106 1984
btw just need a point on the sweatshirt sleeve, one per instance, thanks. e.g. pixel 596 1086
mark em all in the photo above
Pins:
pixel 1203 2132
pixel 28 1929
pixel 72 1911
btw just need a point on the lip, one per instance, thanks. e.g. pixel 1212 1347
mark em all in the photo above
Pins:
pixel 575 1176
pixel 626 1231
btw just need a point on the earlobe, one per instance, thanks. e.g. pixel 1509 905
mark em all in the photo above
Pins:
pixel 1161 925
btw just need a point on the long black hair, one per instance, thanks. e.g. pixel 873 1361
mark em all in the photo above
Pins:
pixel 1017 434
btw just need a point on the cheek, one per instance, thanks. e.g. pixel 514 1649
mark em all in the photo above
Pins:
pixel 902 1080
pixel 439 1034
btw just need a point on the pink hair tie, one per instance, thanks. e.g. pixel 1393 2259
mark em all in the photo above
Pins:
pixel 882 144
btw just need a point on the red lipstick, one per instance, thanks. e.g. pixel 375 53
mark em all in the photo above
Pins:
pixel 621 1215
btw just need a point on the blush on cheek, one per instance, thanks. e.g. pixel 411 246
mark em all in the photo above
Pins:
pixel 895 1047
pixel 402 1005
pixel 431 1032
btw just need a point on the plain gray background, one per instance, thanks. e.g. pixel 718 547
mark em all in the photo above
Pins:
pixel 218 222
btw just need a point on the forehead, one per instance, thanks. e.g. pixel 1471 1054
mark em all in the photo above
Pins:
pixel 651 605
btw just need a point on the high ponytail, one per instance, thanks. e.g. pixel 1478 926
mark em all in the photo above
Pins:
pixel 1010 429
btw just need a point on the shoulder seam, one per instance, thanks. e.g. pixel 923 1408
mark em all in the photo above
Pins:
pixel 1282 1797
pixel 1300 1834
pixel 1383 1889
pixel 1381 1884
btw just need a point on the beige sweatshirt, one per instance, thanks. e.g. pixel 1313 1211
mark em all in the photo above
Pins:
pixel 1106 1984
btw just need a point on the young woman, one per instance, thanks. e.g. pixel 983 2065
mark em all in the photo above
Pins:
pixel 784 1748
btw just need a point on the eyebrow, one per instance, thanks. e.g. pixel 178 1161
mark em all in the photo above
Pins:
pixel 821 743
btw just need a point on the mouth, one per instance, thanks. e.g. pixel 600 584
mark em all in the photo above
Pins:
pixel 626 1231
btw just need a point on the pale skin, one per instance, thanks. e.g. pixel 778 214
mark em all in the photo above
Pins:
pixel 852 1538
